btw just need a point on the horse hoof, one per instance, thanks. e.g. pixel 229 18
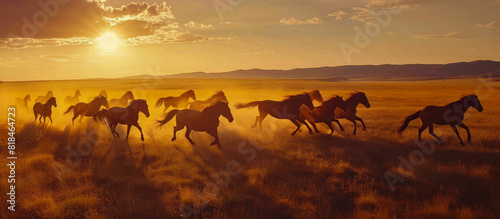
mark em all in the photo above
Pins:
pixel 468 140
pixel 293 133
pixel 213 143
pixel 342 130
pixel 142 139
pixel 310 132
pixel 364 129
pixel 173 139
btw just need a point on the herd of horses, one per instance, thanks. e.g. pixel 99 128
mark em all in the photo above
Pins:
pixel 203 115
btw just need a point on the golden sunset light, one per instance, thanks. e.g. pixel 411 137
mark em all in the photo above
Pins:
pixel 249 109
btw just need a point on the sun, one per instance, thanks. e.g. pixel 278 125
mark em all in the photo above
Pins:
pixel 109 41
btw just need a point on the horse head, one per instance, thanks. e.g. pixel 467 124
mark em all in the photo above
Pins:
pixel 49 94
pixel 336 101
pixel 316 95
pixel 224 110
pixel 77 93
pixel 101 101
pixel 361 98
pixel 52 102
pixel 308 101
pixel 190 94
pixel 28 98
pixel 103 93
pixel 130 95
pixel 221 96
pixel 472 100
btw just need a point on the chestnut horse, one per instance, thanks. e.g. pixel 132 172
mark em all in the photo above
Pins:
pixel 123 101
pixel 103 93
pixel 44 110
pixel 451 114
pixel 73 100
pixel 286 109
pixel 202 104
pixel 315 95
pixel 23 102
pixel 206 120
pixel 87 109
pixel 176 102
pixel 351 103
pixel 324 113
pixel 128 116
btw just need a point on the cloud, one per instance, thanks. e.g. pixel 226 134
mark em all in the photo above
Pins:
pixel 194 25
pixel 337 14
pixel 295 21
pixel 493 24
pixel 28 23
pixel 364 14
pixel 452 35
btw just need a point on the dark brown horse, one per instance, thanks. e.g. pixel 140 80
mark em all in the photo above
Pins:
pixel 23 102
pixel 351 103
pixel 73 100
pixel 451 114
pixel 123 101
pixel 202 104
pixel 128 116
pixel 286 109
pixel 324 113
pixel 206 120
pixel 44 99
pixel 44 110
pixel 87 109
pixel 181 101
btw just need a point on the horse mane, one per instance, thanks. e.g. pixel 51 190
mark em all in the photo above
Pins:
pixel 185 93
pixel 355 93
pixel 467 96
pixel 331 98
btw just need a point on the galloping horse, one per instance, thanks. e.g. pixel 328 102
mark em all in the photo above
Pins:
pixel 73 100
pixel 176 102
pixel 102 94
pixel 286 109
pixel 202 104
pixel 87 109
pixel 128 116
pixel 44 110
pixel 44 99
pixel 123 101
pixel 23 101
pixel 324 113
pixel 206 120
pixel 451 114
pixel 350 114
pixel 316 95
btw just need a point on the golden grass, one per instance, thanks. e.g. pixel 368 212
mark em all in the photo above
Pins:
pixel 305 176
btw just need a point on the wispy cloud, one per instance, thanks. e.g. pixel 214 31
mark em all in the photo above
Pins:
pixel 452 35
pixel 295 21
pixel 493 24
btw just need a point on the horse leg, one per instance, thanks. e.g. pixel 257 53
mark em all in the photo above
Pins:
pixel 301 120
pixel 36 116
pixel 256 121
pixel 353 122
pixel 296 124
pixel 454 127
pixel 329 124
pixel 431 131
pixel 50 117
pixel 128 131
pixel 467 129
pixel 337 121
pixel 420 130
pixel 140 129
pixel 40 119
pixel 111 129
pixel 213 132
pixel 314 127
pixel 188 131
pixel 362 123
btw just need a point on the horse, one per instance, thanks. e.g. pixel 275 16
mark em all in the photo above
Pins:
pixel 44 109
pixel 315 95
pixel 44 99
pixel 87 109
pixel 286 109
pixel 206 120
pixel 123 101
pixel 202 104
pixel 102 94
pixel 176 102
pixel 324 113
pixel 128 116
pixel 23 101
pixel 451 114
pixel 73 100
pixel 350 114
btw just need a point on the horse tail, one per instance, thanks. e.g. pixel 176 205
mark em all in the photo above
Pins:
pixel 170 115
pixel 159 102
pixel 99 116
pixel 69 109
pixel 251 104
pixel 407 121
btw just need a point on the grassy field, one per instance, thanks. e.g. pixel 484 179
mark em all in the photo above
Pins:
pixel 81 171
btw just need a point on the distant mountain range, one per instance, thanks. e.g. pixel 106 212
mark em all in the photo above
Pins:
pixel 361 72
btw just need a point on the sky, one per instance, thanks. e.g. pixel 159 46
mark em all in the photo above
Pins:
pixel 77 39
